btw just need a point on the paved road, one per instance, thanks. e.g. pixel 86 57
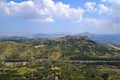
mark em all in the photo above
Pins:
pixel 81 61
pixel 69 61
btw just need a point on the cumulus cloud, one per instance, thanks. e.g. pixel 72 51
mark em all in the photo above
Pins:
pixel 103 25
pixel 90 6
pixel 115 7
pixel 98 8
pixel 65 12
pixel 100 23
pixel 109 8
pixel 103 9
pixel 115 11
pixel 41 10
pixel 112 1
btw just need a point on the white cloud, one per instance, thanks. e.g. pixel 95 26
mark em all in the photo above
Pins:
pixel 42 20
pixel 108 24
pixel 90 6
pixel 96 8
pixel 65 12
pixel 115 7
pixel 97 22
pixel 103 25
pixel 103 9
pixel 41 10
pixel 112 1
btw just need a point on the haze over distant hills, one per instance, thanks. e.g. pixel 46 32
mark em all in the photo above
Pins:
pixel 113 39
pixel 104 38
pixel 75 47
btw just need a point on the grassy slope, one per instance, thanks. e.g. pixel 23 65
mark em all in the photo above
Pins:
pixel 68 47
pixel 66 71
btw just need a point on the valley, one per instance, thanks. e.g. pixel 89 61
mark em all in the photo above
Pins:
pixel 73 57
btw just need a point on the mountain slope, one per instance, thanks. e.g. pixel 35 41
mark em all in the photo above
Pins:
pixel 113 39
pixel 75 47
pixel 81 47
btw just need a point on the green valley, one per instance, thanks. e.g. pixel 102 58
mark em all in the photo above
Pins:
pixel 62 58
pixel 67 48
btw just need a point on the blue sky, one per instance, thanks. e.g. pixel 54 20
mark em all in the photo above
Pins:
pixel 53 16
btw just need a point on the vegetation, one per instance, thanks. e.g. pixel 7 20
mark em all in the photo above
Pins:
pixel 41 59
pixel 68 47
pixel 48 70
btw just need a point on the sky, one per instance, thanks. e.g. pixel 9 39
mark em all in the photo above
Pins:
pixel 59 16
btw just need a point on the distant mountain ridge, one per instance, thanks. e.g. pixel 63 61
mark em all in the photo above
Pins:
pixel 75 47
pixel 113 39
pixel 38 35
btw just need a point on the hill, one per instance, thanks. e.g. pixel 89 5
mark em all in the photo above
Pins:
pixel 113 39
pixel 74 47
